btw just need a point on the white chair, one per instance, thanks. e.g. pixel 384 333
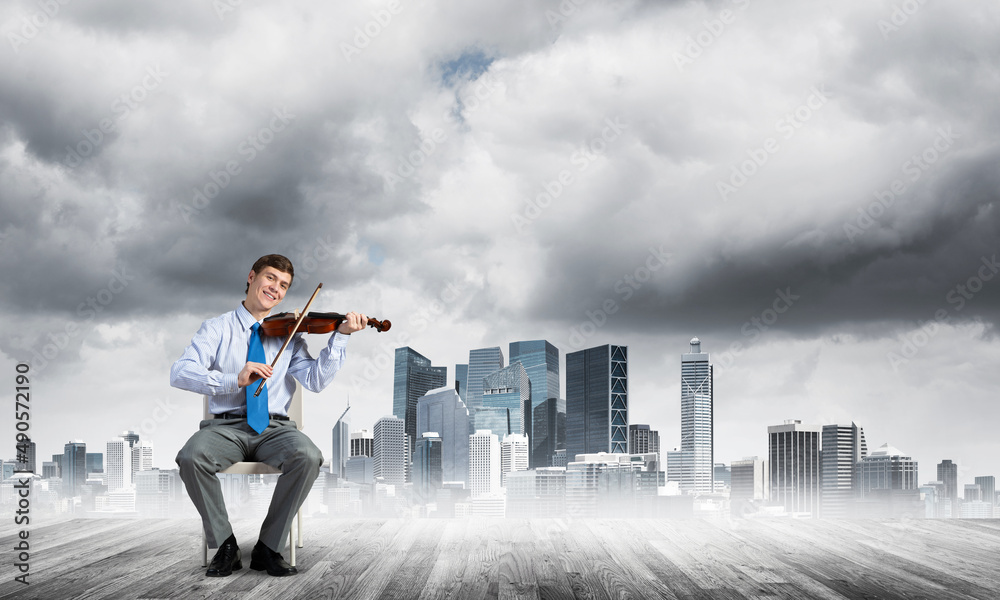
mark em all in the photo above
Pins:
pixel 259 468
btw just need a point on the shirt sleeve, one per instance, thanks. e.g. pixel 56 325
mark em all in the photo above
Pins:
pixel 316 373
pixel 195 370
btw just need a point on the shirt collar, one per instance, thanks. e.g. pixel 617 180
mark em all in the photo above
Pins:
pixel 244 317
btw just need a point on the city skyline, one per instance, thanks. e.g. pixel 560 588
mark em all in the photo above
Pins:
pixel 631 173
pixel 130 437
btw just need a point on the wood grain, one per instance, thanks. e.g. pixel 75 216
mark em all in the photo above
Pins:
pixel 559 559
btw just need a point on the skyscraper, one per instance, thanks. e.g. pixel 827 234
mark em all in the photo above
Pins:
pixel 484 464
pixel 462 381
pixel 513 455
pixel 697 420
pixel 142 457
pixel 988 485
pixel 750 481
pixel 795 466
pixel 441 411
pixel 412 378
pixel 643 440
pixel 493 418
pixel 95 462
pixel 341 438
pixel 427 473
pixel 947 473
pixel 482 362
pixel 119 465
pixel 508 388
pixel 32 456
pixel 887 485
pixel 597 401
pixel 130 437
pixel 548 425
pixel 389 450
pixel 885 469
pixel 843 447
pixel 541 362
pixel 74 472
pixel 361 443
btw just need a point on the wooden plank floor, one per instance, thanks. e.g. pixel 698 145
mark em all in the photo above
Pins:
pixel 542 558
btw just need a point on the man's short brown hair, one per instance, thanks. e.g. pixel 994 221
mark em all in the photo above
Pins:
pixel 277 261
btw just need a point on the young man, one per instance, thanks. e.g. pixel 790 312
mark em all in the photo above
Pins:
pixel 224 361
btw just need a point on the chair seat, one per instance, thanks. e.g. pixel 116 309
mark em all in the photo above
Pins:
pixel 252 468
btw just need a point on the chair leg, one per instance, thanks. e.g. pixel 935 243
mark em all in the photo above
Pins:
pixel 204 549
pixel 299 519
pixel 291 544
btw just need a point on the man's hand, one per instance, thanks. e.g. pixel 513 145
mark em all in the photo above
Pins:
pixel 353 322
pixel 252 372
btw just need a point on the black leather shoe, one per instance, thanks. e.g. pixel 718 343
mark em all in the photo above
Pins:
pixel 227 559
pixel 264 559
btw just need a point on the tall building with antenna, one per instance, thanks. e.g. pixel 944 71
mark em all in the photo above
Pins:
pixel 341 444
pixel 697 421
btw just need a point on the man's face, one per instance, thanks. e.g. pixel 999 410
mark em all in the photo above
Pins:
pixel 268 287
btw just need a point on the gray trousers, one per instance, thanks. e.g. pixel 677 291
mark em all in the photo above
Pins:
pixel 221 442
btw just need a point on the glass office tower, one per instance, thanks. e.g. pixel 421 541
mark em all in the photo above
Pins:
pixel 597 401
pixel 541 362
pixel 443 412
pixel 462 380
pixel 74 472
pixel 508 388
pixel 482 362
pixel 413 377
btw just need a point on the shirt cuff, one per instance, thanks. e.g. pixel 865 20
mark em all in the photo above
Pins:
pixel 230 383
pixel 339 340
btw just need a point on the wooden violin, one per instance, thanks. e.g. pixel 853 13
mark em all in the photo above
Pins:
pixel 282 324
pixel 288 324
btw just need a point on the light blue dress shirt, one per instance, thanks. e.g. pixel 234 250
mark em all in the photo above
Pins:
pixel 218 352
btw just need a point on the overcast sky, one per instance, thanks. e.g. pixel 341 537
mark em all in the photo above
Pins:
pixel 809 188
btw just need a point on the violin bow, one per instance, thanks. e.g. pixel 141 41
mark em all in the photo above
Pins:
pixel 305 311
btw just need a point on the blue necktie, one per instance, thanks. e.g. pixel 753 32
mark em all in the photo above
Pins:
pixel 257 415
